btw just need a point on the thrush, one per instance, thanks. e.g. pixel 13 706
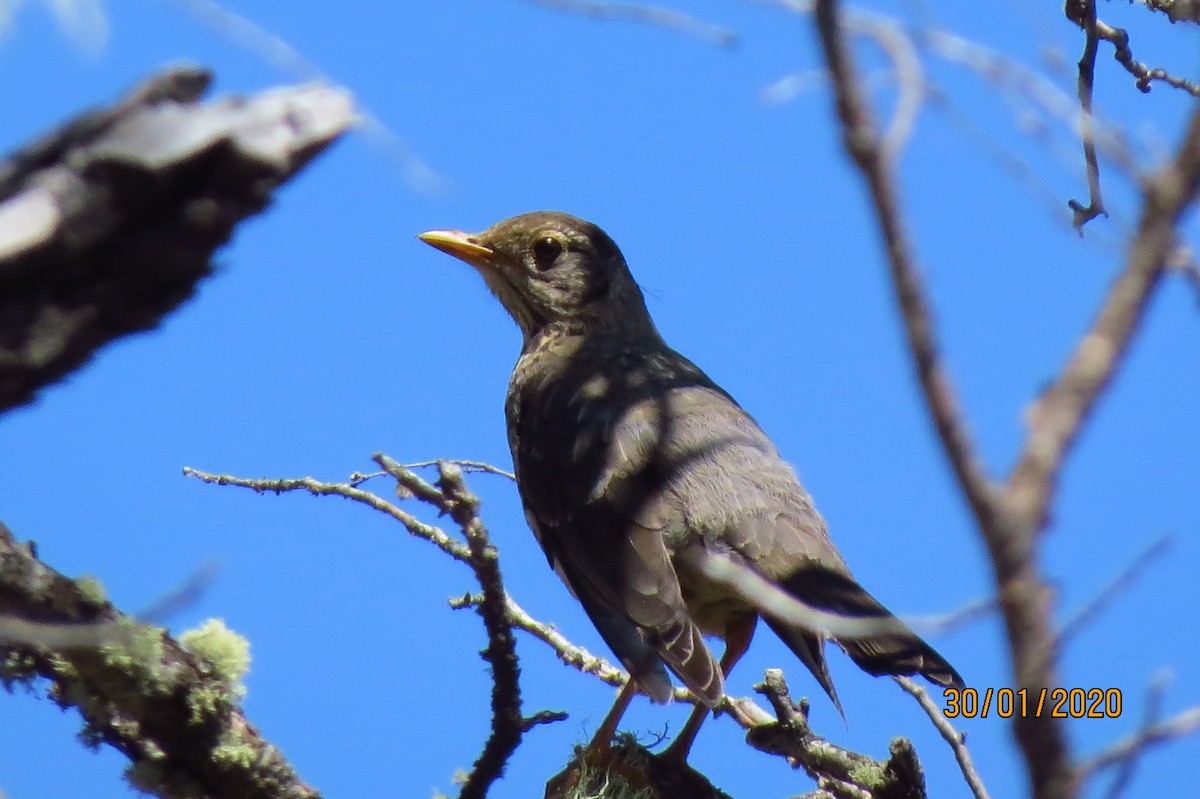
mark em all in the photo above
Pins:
pixel 637 472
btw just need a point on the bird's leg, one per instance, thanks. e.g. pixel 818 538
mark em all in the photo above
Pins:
pixel 599 754
pixel 737 640
pixel 608 728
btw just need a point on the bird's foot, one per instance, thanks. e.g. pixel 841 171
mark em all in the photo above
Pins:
pixel 599 764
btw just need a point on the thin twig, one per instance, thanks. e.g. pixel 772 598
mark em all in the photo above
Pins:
pixel 863 145
pixel 651 15
pixel 571 654
pixel 1154 700
pixel 909 72
pixel 275 51
pixel 434 535
pixel 1123 53
pixel 1115 587
pixel 1178 726
pixel 1083 12
pixel 15 631
pixel 449 496
pixel 956 739
pixel 1060 412
pixel 955 620
pixel 508 725
pixel 466 466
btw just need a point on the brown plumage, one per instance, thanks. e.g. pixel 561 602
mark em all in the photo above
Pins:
pixel 634 467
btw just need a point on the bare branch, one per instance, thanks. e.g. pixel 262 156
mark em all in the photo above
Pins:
pixel 1123 53
pixel 1083 13
pixel 863 145
pixel 1115 587
pixel 1128 768
pixel 955 620
pixel 109 223
pixel 428 532
pixel 647 14
pixel 466 466
pixel 508 725
pixel 956 739
pixel 1060 412
pixel 742 710
pixel 1056 420
pixel 449 496
pixel 1022 590
pixel 1178 726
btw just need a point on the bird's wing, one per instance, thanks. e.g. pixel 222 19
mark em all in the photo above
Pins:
pixel 597 504
pixel 728 492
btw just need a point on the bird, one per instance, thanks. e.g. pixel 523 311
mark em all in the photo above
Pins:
pixel 639 474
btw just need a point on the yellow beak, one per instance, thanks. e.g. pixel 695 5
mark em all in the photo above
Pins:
pixel 463 246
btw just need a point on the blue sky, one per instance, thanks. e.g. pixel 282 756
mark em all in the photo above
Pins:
pixel 330 332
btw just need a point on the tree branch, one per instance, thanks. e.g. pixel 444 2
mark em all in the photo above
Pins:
pixel 838 772
pixel 648 14
pixel 1178 726
pixel 110 222
pixel 498 611
pixel 771 734
pixel 168 710
pixel 863 145
pixel 1083 13
pixel 1060 412
pixel 1144 75
pixel 508 725
pixel 956 739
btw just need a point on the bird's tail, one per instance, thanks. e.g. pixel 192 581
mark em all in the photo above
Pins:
pixel 898 651
pixel 810 648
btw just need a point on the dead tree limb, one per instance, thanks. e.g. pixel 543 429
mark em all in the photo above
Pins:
pixel 109 223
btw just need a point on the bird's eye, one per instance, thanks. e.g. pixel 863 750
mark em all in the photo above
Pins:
pixel 546 251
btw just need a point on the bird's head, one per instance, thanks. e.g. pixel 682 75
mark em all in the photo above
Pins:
pixel 552 268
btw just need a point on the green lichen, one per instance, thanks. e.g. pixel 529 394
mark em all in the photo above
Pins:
pixel 17 668
pixel 238 754
pixel 63 668
pixel 208 700
pixel 139 651
pixel 225 650
pixel 601 783
pixel 91 589
pixel 868 775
